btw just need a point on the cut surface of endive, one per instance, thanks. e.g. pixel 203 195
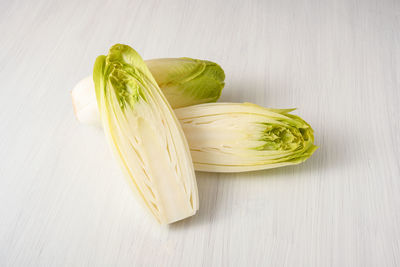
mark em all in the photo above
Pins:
pixel 144 135
pixel 239 137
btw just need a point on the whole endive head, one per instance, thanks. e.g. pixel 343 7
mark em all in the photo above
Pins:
pixel 145 135
pixel 187 81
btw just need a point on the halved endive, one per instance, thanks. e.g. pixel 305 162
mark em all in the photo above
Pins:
pixel 145 135
pixel 183 81
pixel 238 137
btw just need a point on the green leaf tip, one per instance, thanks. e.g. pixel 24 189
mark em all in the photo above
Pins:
pixel 289 134
pixel 186 81
pixel 116 71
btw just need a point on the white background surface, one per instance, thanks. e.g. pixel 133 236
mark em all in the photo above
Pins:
pixel 64 202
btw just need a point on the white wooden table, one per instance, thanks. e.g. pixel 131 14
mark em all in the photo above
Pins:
pixel 64 201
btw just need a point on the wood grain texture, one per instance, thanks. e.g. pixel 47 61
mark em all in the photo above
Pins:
pixel 64 202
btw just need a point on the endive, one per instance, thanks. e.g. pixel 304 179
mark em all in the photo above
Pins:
pixel 234 137
pixel 145 135
pixel 183 81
